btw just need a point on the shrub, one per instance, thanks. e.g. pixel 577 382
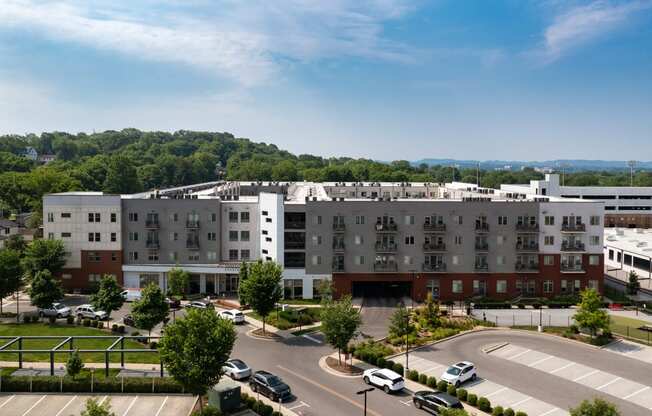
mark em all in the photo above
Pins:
pixel 413 375
pixel 70 320
pixel 452 390
pixel 497 411
pixel 398 368
pixel 153 345
pixel 121 329
pixel 521 414
pixel 432 382
pixel 35 318
pixel 423 379
pixel 462 395
pixel 86 322
pixel 52 320
pixel 208 411
pixel 380 362
pixel 371 359
pixel 574 329
pixel 472 399
pixel 484 404
pixel 508 412
pixel 78 320
pixel 389 364
pixel 26 319
pixel 94 323
pixel 114 328
pixel 442 385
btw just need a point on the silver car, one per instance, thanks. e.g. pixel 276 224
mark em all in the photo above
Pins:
pixel 57 309
pixel 88 311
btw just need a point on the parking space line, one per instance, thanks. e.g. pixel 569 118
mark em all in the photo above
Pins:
pixel 496 392
pixel 609 383
pixel 519 354
pixel 66 405
pixel 130 406
pixel 315 340
pixel 562 367
pixel 103 398
pixel 162 405
pixel 590 373
pixel 636 392
pixel 432 368
pixel 7 401
pixel 554 409
pixel 541 360
pixel 520 402
pixel 34 405
pixel 301 404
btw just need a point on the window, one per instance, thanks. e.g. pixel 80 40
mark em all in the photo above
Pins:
pixel 93 217
pixel 233 216
pixel 133 216
pixel 173 256
pixel 592 284
pixel 114 217
pixel 66 276
pixel 594 240
pixel 501 286
pixel 244 235
pixel 548 260
pixel 500 239
pixel 50 217
pixel 65 215
pixel 211 255
pixel 502 220
pixel 458 219
pixel 193 257
pixel 457 286
pixel 409 240
pixel 458 240
pixel 174 217
pixel 408 260
pixel 500 260
pixel 114 257
pixel 233 236
pixel 268 220
pixel 213 217
pixel 317 287
pixel 292 288
pixel 547 286
pixel 147 278
pixel 268 239
pixel 50 236
pixel 359 260
pixel 174 236
pixel 114 237
pixel 233 255
pixel 133 236
pixel 211 236
pixel 244 216
pixel 359 219
pixel 94 257
pixel 133 255
pixel 359 240
pixel 409 220
pixel 94 277
pixel 152 255
pixel 265 213
pixel 595 220
pixel 549 240
pixel 94 237
pixel 316 260
pixel 456 260
pixel 316 240
pixel 577 286
pixel 594 260
pixel 66 235
pixel 316 220
pixel 245 254
pixel 563 286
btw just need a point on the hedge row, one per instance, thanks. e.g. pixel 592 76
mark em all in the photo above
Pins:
pixel 48 384
pixel 258 406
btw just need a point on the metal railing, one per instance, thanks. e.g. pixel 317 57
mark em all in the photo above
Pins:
pixel 434 246
pixel 531 246
pixel 482 246
pixel 482 227
pixel 386 228
pixel 481 267
pixel 576 228
pixel 192 244
pixel 572 246
pixel 192 224
pixel 527 227
pixel 526 266
pixel 437 267
pixel 338 267
pixel 570 267
pixel 390 266
pixel 386 247
pixel 434 227
pixel 339 227
pixel 339 245
pixel 154 224
pixel 154 244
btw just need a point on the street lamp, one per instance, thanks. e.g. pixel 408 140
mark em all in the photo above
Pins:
pixel 364 392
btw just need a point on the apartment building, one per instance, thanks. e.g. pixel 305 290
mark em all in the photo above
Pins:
pixel 625 206
pixel 454 240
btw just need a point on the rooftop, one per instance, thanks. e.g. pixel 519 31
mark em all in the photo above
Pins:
pixel 634 240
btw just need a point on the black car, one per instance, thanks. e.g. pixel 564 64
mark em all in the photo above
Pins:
pixel 173 303
pixel 435 401
pixel 270 385
pixel 128 320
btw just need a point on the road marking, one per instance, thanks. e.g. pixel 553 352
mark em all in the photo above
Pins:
pixel 496 392
pixel 520 402
pixel 519 354
pixel 306 336
pixel 562 368
pixel 329 390
pixel 162 405
pixel 130 406
pixel 102 401
pixel 34 405
pixel 541 360
pixel 609 383
pixel 586 375
pixel 7 401
pixel 301 404
pixel 636 392
pixel 554 409
pixel 432 368
pixel 67 404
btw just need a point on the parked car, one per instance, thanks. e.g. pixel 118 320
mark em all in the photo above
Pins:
pixel 88 311
pixel 459 373
pixel 233 315
pixel 386 379
pixel 129 320
pixel 200 305
pixel 56 309
pixel 131 295
pixel 269 385
pixel 236 369
pixel 173 303
pixel 435 401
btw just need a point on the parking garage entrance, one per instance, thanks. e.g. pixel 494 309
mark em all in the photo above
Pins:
pixel 388 290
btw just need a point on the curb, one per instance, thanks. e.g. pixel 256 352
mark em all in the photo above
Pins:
pixel 250 334
pixel 558 337
pixel 470 331
pixel 493 348
pixel 325 367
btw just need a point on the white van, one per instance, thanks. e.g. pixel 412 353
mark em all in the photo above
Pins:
pixel 131 295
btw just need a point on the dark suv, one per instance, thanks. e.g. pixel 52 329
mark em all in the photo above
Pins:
pixel 435 401
pixel 270 385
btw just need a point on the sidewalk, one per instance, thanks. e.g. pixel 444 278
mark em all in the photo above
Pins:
pixel 283 333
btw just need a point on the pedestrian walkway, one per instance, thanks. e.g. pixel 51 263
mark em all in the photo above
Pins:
pixel 631 350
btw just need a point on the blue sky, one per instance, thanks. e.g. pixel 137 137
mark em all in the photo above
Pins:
pixel 382 79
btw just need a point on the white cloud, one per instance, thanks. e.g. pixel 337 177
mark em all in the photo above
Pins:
pixel 581 24
pixel 243 41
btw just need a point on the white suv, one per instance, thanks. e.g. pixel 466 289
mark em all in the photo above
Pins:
pixel 233 315
pixel 386 379
pixel 88 311
pixel 458 373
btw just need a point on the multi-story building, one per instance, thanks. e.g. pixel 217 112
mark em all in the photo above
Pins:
pixel 455 240
pixel 625 206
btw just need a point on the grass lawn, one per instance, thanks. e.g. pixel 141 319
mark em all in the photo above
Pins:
pixel 629 327
pixel 301 301
pixel 307 331
pixel 68 330
pixel 289 319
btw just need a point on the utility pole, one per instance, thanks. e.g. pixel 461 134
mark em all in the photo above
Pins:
pixel 365 391
pixel 478 175
pixel 631 164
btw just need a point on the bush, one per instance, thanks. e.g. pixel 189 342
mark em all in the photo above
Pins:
pixel 94 323
pixel 398 368
pixel 574 329
pixel 86 322
pixel 208 411
pixel 371 351
pixel 52 320
pixel 484 404
pixel 389 364
pixel 452 390
pixel 432 382
pixel 413 375
pixel 114 328
pixel 26 319
pixel 47 384
pixel 521 414
pixel 472 399
pixel 442 385
pixel 508 412
pixel 70 320
pixel 462 395
pixel 423 379
pixel 121 329
pixel 380 362
pixel 497 411
pixel 35 318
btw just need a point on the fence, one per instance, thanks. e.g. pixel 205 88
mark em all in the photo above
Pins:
pixel 534 317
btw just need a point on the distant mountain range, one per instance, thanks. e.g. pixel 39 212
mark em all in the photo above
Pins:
pixel 570 165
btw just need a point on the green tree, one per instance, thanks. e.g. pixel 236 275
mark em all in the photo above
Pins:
pixel 44 255
pixel 195 347
pixel 150 309
pixel 633 285
pixel 121 176
pixel 16 242
pixel 325 290
pixel 243 274
pixel 74 365
pixel 262 288
pixel 10 273
pixel 431 312
pixel 453 412
pixel 340 322
pixel 178 280
pixel 590 315
pixel 598 407
pixel 94 408
pixel 108 297
pixel 400 324
pixel 44 290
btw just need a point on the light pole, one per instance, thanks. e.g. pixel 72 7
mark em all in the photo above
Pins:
pixel 631 164
pixel 364 392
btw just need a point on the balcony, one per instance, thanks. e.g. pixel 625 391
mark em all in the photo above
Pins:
pixel 192 224
pixel 482 227
pixel 481 267
pixel 152 224
pixel 386 228
pixel 338 267
pixel 389 266
pixel 571 267
pixel 192 244
pixel 527 228
pixel 386 247
pixel 295 225
pixel 481 246
pixel 526 267
pixel 433 268
pixel 434 228
pixel 153 244
pixel 338 246
pixel 573 228
pixel 339 227
pixel 572 246
pixel 527 246
pixel 295 245
pixel 434 247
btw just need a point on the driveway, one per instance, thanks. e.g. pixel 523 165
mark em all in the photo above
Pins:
pixel 376 313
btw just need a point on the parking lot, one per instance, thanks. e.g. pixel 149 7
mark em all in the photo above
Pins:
pixel 72 404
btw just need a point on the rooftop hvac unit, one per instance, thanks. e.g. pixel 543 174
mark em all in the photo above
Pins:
pixel 611 238
pixel 620 232
pixel 314 198
pixel 341 199
pixel 641 244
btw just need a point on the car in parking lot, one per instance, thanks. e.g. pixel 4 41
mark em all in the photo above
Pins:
pixel 131 295
pixel 199 305
pixel 236 369
pixel 129 320
pixel 88 311
pixel 57 309
pixel 459 373
pixel 384 378
pixel 269 385
pixel 173 303
pixel 233 315
pixel 435 401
